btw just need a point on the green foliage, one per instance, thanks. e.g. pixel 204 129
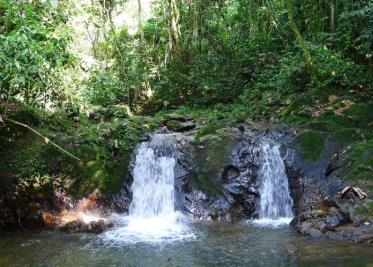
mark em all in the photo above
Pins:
pixel 33 46
pixel 103 89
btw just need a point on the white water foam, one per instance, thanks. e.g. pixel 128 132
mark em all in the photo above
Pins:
pixel 152 216
pixel 275 201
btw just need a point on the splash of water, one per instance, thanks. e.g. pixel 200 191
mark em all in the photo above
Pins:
pixel 152 216
pixel 275 201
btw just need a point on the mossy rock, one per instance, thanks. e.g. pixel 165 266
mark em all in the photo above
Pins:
pixel 360 160
pixel 207 129
pixel 311 144
pixel 179 126
pixel 211 154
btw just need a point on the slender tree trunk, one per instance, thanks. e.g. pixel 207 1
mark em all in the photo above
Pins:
pixel 175 29
pixel 332 15
pixel 301 42
pixel 139 17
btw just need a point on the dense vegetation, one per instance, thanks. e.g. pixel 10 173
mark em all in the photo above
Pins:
pixel 290 61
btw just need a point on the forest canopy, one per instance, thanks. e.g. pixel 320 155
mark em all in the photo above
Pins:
pixel 188 53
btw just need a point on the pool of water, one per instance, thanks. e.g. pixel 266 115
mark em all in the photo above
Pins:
pixel 213 244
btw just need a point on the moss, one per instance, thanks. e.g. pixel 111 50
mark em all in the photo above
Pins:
pixel 362 113
pixel 345 135
pixel 210 156
pixel 366 209
pixel 207 129
pixel 311 144
pixel 360 160
pixel 207 185
pixel 360 211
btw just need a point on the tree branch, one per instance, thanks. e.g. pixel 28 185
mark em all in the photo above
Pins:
pixel 46 139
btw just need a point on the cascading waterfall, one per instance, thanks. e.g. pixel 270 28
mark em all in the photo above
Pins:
pixel 275 201
pixel 153 185
pixel 152 216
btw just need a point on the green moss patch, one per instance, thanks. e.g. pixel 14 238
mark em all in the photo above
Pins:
pixel 208 129
pixel 210 155
pixel 360 160
pixel 311 145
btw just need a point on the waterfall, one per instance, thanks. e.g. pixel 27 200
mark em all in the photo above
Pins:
pixel 275 201
pixel 152 216
pixel 153 185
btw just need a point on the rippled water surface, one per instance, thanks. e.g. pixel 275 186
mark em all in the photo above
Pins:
pixel 214 245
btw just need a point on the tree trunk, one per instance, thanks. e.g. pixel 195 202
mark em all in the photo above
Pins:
pixel 301 42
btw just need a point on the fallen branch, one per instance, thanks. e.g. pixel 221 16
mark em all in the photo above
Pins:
pixel 46 139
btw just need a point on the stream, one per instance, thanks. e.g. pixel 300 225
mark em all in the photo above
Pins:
pixel 214 244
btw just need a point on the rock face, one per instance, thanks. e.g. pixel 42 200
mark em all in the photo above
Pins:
pixel 215 176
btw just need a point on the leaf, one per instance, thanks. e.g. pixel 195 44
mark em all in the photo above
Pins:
pixel 16 63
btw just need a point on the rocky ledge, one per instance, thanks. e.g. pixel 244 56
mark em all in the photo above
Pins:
pixel 342 218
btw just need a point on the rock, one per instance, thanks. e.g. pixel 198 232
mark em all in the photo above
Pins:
pixel 145 138
pixel 50 220
pixel 326 204
pixel 177 126
pixel 79 226
pixel 340 223
pixel 176 117
pixel 33 221
pixel 241 127
pixel 332 221
pixel 230 172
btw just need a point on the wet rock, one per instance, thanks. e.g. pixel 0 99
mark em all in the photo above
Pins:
pixel 178 126
pixel 35 220
pixel 50 220
pixel 230 172
pixel 78 226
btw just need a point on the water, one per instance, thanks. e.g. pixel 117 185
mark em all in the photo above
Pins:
pixel 152 216
pixel 216 244
pixel 275 201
